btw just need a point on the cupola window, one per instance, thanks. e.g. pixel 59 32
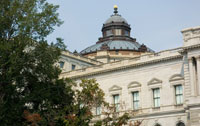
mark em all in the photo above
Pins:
pixel 126 33
pixel 109 33
pixel 118 32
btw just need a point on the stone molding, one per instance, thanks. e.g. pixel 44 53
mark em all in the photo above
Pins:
pixel 83 73
pixel 176 77
pixel 134 84
pixel 115 88
pixel 154 81
pixel 155 114
pixel 190 47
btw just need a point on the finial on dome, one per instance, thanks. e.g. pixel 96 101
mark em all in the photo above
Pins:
pixel 115 9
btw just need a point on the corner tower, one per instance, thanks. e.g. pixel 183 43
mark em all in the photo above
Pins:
pixel 116 43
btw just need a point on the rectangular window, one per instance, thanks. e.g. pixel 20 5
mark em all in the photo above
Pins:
pixel 116 102
pixel 98 110
pixel 73 67
pixel 109 33
pixel 135 100
pixel 81 105
pixel 156 97
pixel 118 32
pixel 179 94
pixel 126 33
pixel 61 63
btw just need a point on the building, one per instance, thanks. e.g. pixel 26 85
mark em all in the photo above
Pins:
pixel 163 88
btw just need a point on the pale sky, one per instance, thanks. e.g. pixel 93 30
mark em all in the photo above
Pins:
pixel 156 23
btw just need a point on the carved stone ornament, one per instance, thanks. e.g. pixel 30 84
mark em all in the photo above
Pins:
pixel 154 81
pixel 115 88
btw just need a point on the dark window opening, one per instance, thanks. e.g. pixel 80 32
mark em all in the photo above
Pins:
pixel 157 124
pixel 194 62
pixel 73 67
pixel 61 63
pixel 126 33
pixel 180 124
pixel 117 52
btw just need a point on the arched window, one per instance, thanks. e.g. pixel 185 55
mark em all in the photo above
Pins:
pixel 180 124
pixel 157 124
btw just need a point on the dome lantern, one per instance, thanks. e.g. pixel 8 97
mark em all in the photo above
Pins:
pixel 116 25
pixel 115 9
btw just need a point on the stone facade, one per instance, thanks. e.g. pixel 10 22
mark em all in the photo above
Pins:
pixel 165 71
pixel 162 89
pixel 72 61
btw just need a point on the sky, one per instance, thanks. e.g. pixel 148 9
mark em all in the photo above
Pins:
pixel 155 23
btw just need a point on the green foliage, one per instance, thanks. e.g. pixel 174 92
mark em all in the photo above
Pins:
pixel 113 118
pixel 34 19
pixel 31 92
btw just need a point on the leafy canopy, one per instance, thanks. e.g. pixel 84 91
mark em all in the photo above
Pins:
pixel 29 80
pixel 31 92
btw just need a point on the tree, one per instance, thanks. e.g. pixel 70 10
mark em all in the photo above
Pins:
pixel 30 88
pixel 87 96
pixel 31 92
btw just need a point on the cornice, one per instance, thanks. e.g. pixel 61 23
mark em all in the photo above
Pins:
pixel 159 114
pixel 190 47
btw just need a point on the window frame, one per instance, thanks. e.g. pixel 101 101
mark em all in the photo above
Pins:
pixel 63 64
pixel 73 67
pixel 98 110
pixel 126 32
pixel 118 32
pixel 178 94
pixel 155 98
pixel 135 101
pixel 174 80
pixel 116 105
pixel 109 33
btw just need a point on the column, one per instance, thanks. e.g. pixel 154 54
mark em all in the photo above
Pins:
pixel 198 74
pixel 192 81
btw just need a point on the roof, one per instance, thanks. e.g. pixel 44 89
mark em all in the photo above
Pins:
pixel 116 18
pixel 114 45
pixel 80 58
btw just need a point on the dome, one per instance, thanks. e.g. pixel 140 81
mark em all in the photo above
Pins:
pixel 116 37
pixel 114 45
pixel 116 18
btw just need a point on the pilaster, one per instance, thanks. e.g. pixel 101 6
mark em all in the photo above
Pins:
pixel 198 74
pixel 187 90
pixel 192 78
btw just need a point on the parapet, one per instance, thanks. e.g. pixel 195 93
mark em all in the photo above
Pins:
pixel 191 36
